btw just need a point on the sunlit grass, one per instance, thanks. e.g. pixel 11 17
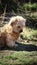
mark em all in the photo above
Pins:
pixel 20 57
pixel 30 34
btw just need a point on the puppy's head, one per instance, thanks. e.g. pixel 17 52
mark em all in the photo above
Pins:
pixel 17 23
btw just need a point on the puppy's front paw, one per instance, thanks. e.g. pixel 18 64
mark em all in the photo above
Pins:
pixel 16 45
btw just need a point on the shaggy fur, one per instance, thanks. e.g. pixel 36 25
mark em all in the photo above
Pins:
pixel 11 31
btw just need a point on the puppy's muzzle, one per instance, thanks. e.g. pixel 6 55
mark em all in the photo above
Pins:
pixel 20 31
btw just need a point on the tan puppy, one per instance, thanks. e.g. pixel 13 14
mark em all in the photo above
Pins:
pixel 10 32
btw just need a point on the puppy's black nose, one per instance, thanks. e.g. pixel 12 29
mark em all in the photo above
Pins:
pixel 20 31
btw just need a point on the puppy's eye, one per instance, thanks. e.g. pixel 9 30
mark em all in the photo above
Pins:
pixel 18 26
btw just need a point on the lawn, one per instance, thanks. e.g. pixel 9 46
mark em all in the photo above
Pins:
pixel 18 58
pixel 29 33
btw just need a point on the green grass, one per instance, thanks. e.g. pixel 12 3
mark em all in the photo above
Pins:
pixel 20 58
pixel 31 6
pixel 30 34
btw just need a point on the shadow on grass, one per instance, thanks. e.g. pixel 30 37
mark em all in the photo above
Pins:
pixel 22 47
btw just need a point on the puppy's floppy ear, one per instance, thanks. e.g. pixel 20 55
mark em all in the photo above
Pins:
pixel 13 23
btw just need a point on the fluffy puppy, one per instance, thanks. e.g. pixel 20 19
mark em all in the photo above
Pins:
pixel 11 31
